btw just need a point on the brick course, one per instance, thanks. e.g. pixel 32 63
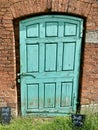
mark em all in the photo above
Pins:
pixel 11 11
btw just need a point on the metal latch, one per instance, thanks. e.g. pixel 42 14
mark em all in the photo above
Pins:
pixel 25 74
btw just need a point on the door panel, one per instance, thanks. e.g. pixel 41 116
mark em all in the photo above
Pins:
pixel 50 58
pixel 66 94
pixel 51 29
pixel 68 56
pixel 32 99
pixel 32 58
pixel 49 95
pixel 32 30
pixel 70 29
pixel 50 48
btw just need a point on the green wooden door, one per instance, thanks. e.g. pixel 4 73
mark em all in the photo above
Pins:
pixel 50 48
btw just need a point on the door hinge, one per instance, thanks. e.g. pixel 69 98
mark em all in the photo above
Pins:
pixel 18 80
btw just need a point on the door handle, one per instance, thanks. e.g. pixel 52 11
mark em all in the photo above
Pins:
pixel 25 74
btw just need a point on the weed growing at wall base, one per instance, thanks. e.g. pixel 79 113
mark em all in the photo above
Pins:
pixel 57 123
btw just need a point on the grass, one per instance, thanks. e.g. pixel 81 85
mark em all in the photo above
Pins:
pixel 57 123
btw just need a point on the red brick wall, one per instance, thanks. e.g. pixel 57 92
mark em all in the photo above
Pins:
pixel 90 74
pixel 11 11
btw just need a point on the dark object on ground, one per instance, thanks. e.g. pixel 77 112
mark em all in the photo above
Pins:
pixel 78 120
pixel 5 115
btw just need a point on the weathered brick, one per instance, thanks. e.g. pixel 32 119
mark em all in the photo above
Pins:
pixel 9 44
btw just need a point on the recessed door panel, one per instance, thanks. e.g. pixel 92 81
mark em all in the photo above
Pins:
pixel 32 58
pixel 50 58
pixel 69 55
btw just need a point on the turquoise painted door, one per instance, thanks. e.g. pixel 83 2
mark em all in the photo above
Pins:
pixel 50 48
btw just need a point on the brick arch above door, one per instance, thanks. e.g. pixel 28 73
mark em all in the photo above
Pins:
pixel 20 8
